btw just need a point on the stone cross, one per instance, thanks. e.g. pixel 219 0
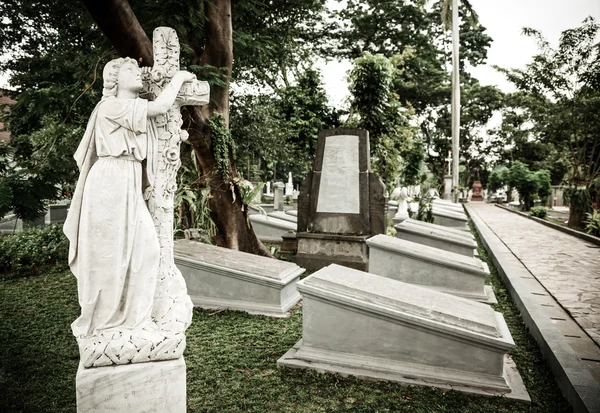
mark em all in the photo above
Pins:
pixel 449 160
pixel 172 306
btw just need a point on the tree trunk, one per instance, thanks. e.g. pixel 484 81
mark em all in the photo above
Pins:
pixel 576 218
pixel 118 22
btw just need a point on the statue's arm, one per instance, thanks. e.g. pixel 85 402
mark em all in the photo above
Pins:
pixel 165 100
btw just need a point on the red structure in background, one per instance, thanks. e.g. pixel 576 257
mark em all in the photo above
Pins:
pixel 477 195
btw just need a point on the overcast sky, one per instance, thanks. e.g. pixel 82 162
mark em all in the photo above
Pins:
pixel 504 21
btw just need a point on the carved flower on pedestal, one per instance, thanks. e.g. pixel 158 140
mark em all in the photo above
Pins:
pixel 171 155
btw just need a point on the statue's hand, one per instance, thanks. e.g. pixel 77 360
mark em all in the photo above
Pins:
pixel 186 76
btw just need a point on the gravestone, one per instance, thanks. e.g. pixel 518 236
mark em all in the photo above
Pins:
pixel 223 278
pixel 341 202
pixel 431 267
pixel 269 228
pixel 289 186
pixel 133 361
pixel 377 328
pixel 437 238
pixel 278 196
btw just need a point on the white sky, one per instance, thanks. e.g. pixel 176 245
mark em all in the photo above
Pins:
pixel 504 21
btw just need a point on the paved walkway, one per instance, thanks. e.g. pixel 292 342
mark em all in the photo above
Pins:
pixel 568 267
pixel 554 279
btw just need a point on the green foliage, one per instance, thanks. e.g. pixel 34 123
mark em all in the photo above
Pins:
pixel 557 111
pixel 544 184
pixel 281 128
pixel 413 164
pixel 376 108
pixel 191 201
pixel 592 223
pixel 538 212
pixel 223 145
pixel 425 211
pixel 498 178
pixel 529 184
pixel 32 249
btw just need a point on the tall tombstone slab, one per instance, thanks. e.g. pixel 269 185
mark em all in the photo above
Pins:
pixel 373 327
pixel 134 301
pixel 341 202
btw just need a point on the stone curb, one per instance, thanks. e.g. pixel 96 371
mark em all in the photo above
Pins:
pixel 566 230
pixel 574 380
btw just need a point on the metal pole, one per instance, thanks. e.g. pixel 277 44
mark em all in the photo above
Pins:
pixel 455 97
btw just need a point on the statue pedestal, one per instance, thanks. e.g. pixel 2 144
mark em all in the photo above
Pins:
pixel 133 388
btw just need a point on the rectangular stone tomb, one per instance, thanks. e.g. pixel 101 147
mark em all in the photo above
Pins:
pixel 444 208
pixel 429 267
pixel 222 278
pixel 271 229
pixel 373 327
pixel 133 388
pixel 284 216
pixel 454 231
pixel 448 205
pixel 292 212
pixel 436 238
pixel 450 219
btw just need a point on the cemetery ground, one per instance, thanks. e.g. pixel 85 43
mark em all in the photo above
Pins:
pixel 231 360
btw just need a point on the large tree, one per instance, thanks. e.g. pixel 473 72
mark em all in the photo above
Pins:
pixel 560 95
pixel 265 44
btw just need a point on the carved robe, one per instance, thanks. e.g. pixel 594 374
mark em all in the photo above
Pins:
pixel 114 249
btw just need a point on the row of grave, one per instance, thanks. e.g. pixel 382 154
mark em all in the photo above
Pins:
pixel 419 315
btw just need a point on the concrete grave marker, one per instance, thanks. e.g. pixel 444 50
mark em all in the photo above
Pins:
pixel 429 267
pixel 223 278
pixel 377 328
pixel 341 202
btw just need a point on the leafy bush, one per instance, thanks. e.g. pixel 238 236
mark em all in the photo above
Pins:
pixel 24 252
pixel 538 212
pixel 592 223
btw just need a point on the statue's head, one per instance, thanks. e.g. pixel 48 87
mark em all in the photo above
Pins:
pixel 123 72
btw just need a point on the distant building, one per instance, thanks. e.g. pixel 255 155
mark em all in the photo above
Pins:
pixel 4 101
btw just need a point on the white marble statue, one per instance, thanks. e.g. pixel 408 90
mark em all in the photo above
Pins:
pixel 268 186
pixel 114 248
pixel 289 186
pixel 402 213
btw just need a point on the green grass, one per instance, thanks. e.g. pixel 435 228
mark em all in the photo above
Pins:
pixel 231 362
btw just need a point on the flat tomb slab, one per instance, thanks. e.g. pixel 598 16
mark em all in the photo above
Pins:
pixel 430 267
pixel 376 327
pixel 284 216
pixel 454 231
pixel 437 238
pixel 450 219
pixel 222 278
pixel 271 229
pixel 448 205
pixel 133 388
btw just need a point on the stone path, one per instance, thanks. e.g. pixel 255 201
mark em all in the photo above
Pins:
pixel 568 267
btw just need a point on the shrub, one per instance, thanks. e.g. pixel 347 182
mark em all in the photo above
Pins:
pixel 538 212
pixel 592 223
pixel 24 252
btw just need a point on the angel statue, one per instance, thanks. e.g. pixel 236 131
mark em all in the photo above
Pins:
pixel 114 250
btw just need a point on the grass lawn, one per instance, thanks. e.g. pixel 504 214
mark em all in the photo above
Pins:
pixel 231 361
